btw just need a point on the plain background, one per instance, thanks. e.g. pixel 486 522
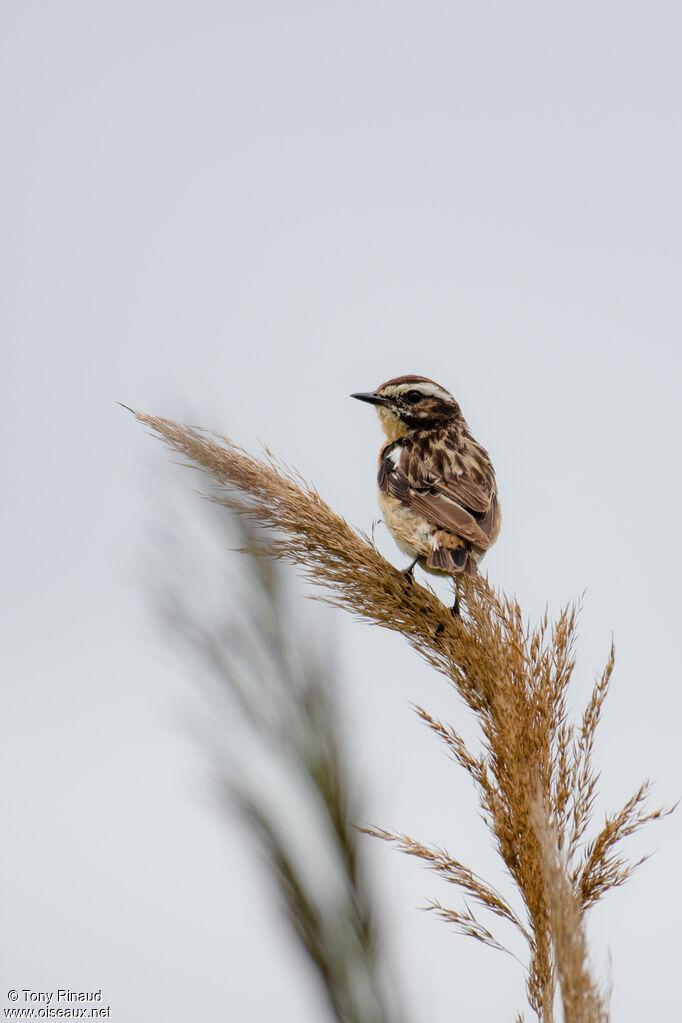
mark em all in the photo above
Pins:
pixel 249 211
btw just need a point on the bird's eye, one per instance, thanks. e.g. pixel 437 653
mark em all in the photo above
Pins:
pixel 412 397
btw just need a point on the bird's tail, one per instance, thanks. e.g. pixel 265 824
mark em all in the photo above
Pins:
pixel 452 560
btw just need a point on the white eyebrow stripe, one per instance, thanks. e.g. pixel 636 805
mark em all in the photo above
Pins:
pixel 432 390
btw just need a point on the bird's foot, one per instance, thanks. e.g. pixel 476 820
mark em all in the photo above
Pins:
pixel 409 573
pixel 454 610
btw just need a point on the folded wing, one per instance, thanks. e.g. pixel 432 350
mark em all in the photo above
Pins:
pixel 456 502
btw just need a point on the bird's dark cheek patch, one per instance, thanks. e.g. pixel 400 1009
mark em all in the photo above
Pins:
pixel 417 422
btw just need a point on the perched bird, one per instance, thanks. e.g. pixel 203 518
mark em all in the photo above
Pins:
pixel 437 490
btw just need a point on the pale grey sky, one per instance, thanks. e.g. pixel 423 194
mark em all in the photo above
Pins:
pixel 249 211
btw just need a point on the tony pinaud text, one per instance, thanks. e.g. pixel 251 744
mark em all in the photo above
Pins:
pixel 61 997
pixel 62 994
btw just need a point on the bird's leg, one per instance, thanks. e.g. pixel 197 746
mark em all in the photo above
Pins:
pixel 454 610
pixel 409 571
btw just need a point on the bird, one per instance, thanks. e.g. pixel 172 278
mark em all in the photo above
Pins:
pixel 436 484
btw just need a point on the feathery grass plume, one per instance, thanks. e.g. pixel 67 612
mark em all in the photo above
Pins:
pixel 282 695
pixel 582 1002
pixel 513 677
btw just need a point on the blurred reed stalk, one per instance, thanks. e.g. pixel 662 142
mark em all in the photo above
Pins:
pixel 535 774
pixel 284 748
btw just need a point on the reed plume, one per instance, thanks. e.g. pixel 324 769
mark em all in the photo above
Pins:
pixel 284 743
pixel 534 774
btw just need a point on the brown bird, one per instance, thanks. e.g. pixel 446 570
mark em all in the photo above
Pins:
pixel 437 489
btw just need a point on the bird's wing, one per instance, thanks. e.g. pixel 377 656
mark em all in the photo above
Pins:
pixel 439 509
pixel 454 502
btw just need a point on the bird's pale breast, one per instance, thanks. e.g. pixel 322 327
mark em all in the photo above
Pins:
pixel 411 532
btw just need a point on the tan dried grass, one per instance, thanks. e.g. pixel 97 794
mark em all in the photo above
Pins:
pixel 535 774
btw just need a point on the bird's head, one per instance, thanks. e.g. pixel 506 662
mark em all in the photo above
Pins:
pixel 409 404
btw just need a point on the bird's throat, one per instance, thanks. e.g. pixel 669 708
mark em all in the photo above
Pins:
pixel 393 427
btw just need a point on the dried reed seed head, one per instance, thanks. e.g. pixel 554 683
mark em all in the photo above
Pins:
pixel 513 677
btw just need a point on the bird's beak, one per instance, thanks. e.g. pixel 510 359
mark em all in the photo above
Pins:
pixel 371 398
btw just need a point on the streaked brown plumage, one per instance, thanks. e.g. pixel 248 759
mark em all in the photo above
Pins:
pixel 437 489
